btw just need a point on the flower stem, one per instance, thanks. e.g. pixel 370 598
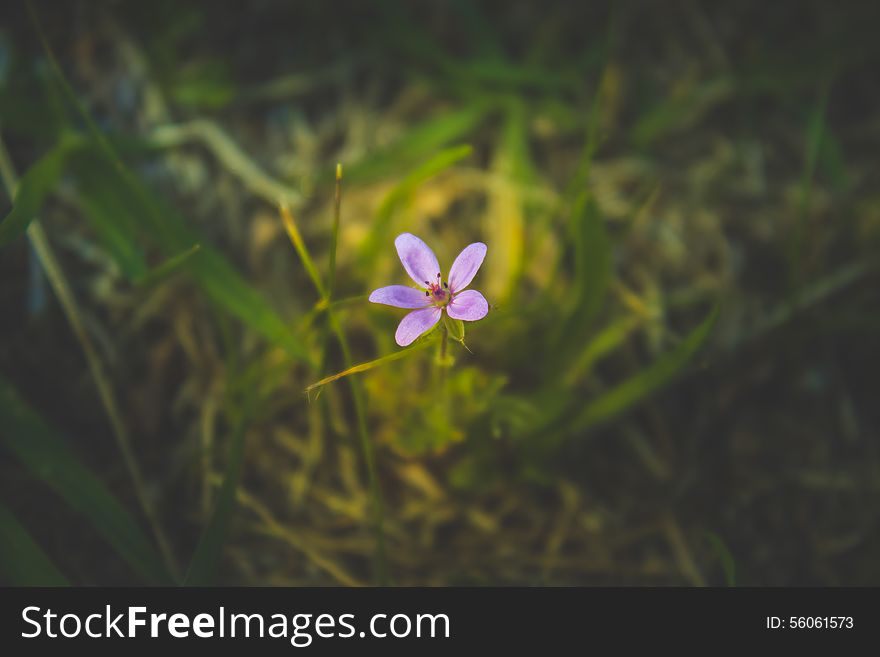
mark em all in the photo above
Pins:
pixel 444 340
pixel 378 509
pixel 334 236
pixel 332 325
pixel 441 408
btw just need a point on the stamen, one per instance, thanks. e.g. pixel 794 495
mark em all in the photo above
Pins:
pixel 445 284
pixel 427 294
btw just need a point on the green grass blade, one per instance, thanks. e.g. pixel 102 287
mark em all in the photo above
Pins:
pixel 592 261
pixel 334 234
pixel 226 287
pixel 170 267
pixel 231 292
pixel 592 276
pixel 209 268
pixel 602 344
pixel 302 251
pixel 109 211
pixel 216 275
pixel 36 184
pixel 22 561
pixel 49 459
pixel 638 387
pixel 401 195
pixel 505 225
pixel 372 364
pixel 682 111
pixel 158 222
pixel 419 143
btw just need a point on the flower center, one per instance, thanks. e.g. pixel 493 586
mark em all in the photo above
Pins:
pixel 438 292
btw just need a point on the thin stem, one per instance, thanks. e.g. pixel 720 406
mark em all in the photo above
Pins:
pixel 444 340
pixel 58 281
pixel 364 367
pixel 380 561
pixel 300 246
pixel 440 409
pixel 378 511
pixel 334 236
pixel 331 274
pixel 443 365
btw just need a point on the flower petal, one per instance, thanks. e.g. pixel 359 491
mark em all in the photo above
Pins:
pixel 469 305
pixel 400 296
pixel 416 323
pixel 417 257
pixel 466 266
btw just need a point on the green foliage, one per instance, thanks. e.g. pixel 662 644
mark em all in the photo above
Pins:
pixel 682 110
pixel 124 215
pixel 602 344
pixel 50 460
pixel 110 211
pixel 457 394
pixel 402 194
pixel 591 274
pixel 557 133
pixel 565 417
pixel 592 263
pixel 40 180
pixel 455 328
pixel 364 367
pixel 160 223
pixel 418 144
pixel 147 211
pixel 648 380
pixel 168 268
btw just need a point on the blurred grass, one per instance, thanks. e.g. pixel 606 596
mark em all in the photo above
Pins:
pixel 419 143
pixel 381 230
pixel 645 382
pixel 37 183
pixel 209 551
pixel 51 461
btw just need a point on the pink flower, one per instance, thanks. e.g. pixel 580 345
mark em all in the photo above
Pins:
pixel 435 295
